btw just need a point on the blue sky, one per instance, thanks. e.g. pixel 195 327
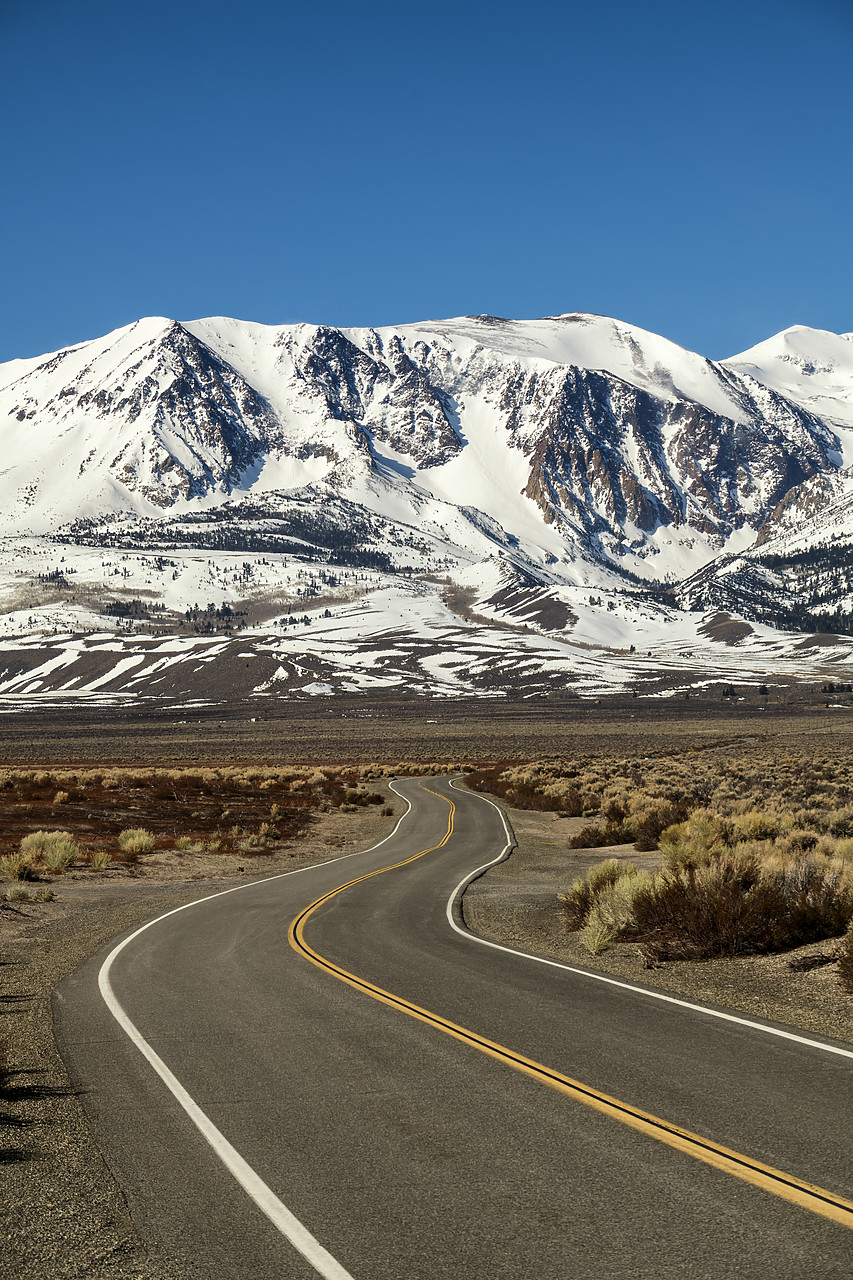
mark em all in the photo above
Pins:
pixel 684 167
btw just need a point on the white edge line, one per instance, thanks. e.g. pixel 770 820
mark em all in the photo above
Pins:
pixel 266 1200
pixel 454 906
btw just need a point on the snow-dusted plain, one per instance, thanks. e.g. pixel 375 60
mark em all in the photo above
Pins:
pixel 471 507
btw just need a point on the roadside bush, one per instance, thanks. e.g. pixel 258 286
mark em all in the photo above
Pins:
pixel 735 904
pixel 593 836
pixel 737 907
pixel 99 860
pixel 578 903
pixel 136 840
pixel 597 937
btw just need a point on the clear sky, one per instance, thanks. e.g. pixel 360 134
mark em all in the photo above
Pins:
pixel 682 166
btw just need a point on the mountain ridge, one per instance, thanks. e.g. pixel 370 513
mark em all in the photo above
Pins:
pixel 575 455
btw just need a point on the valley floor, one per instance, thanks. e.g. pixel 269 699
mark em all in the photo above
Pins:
pixel 395 729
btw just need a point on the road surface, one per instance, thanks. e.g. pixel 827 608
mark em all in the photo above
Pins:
pixel 358 1089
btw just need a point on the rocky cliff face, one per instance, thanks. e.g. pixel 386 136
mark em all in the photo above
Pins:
pixel 380 389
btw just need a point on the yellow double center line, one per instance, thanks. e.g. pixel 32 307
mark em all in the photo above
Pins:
pixel 760 1175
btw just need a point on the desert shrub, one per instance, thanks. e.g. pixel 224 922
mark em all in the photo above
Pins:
pixel 578 903
pixel 597 937
pixel 60 858
pixel 654 818
pixel 44 895
pixel 755 826
pixel 614 809
pixel 734 906
pixel 604 874
pixel 99 860
pixel 810 820
pixel 593 836
pixel 17 866
pixel 695 842
pixel 56 850
pixel 136 840
pixel 799 841
pixel 186 842
pixel 61 797
pixel 387 811
pixel 844 849
pixel 839 823
pixel 735 903
pixel 613 904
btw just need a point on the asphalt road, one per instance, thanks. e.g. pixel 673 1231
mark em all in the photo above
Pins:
pixel 407 1151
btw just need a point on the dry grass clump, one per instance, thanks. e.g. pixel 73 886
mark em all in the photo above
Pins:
pixel 136 840
pixel 18 893
pixel 40 851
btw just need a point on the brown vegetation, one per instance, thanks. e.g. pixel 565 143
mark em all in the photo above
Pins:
pixel 756 845
pixel 122 816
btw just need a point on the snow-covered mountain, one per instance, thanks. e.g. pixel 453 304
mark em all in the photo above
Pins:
pixel 628 444
pixel 572 454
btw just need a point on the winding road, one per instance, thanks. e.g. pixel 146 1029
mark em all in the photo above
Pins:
pixel 324 1074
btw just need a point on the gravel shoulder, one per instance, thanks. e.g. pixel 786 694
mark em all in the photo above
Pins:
pixel 515 903
pixel 63 1215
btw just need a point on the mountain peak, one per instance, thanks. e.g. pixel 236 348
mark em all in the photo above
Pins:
pixel 812 367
